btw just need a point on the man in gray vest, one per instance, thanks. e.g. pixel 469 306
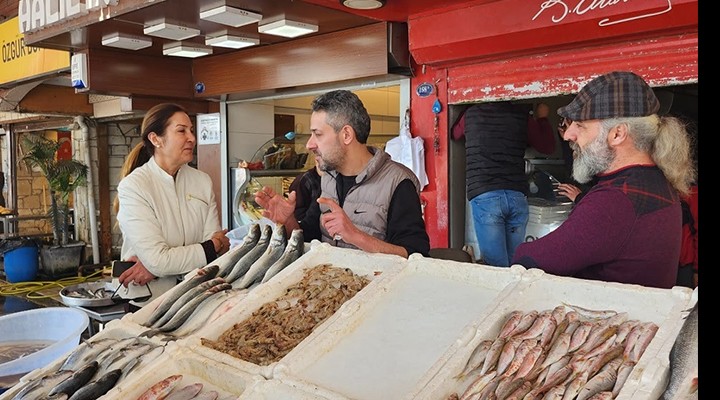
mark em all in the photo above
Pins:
pixel 367 201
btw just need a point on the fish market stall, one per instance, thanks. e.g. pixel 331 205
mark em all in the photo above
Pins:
pixel 340 324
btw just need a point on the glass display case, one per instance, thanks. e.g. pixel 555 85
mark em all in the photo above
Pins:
pixel 275 164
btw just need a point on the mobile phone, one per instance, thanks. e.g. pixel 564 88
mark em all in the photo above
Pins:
pixel 118 267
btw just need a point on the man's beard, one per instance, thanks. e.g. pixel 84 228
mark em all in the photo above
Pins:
pixel 594 159
pixel 334 159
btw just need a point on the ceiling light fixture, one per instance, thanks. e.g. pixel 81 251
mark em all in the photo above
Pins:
pixel 363 4
pixel 189 50
pixel 231 41
pixel 125 41
pixel 170 31
pixel 230 16
pixel 287 28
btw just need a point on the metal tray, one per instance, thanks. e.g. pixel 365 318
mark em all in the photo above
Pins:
pixel 90 286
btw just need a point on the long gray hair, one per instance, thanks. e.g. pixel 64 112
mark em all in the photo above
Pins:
pixel 669 144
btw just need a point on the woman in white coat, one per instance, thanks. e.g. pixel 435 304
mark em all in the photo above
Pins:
pixel 166 209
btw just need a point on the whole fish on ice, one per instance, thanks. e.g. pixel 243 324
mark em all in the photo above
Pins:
pixel 684 361
pixel 274 251
pixel 293 250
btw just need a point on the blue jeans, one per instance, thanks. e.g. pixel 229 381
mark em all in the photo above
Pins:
pixel 500 218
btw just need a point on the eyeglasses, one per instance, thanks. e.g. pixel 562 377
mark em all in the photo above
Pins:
pixel 564 124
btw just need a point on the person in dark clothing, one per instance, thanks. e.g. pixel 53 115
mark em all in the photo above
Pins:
pixel 368 201
pixel 627 228
pixel 307 189
pixel 496 137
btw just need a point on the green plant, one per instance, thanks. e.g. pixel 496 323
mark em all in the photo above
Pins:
pixel 63 177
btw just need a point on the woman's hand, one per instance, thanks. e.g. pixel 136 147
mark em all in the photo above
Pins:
pixel 220 242
pixel 137 274
pixel 569 191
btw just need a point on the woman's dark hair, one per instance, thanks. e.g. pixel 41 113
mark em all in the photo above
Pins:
pixel 155 120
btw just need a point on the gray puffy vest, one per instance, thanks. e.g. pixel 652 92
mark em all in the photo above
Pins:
pixel 368 202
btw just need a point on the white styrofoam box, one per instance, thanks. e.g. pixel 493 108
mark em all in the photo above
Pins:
pixel 361 263
pixel 541 291
pixel 386 344
pixel 114 329
pixel 275 389
pixel 652 379
pixel 176 360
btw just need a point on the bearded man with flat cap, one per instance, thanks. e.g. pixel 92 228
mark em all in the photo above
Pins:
pixel 628 226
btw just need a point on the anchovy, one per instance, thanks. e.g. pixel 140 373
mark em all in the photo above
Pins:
pixel 187 296
pixel 76 381
pixel 186 393
pixel 293 250
pixel 274 251
pixel 242 266
pixel 684 359
pixel 203 274
pixel 249 242
pixel 161 389
pixel 184 313
pixel 97 388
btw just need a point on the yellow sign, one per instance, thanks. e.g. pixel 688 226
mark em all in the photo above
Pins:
pixel 20 62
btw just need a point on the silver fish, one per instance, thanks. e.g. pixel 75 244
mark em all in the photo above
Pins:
pixel 236 253
pixel 274 251
pixel 206 273
pixel 184 313
pixel 242 266
pixel 85 353
pixel 182 300
pixel 76 381
pixel 39 387
pixel 293 250
pixel 185 393
pixel 216 306
pixel 210 395
pixel 97 388
pixel 684 360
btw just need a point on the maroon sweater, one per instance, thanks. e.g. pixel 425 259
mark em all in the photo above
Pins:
pixel 626 229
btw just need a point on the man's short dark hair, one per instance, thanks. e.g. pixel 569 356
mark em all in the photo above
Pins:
pixel 344 107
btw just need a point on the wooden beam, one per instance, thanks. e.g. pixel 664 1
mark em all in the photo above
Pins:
pixel 55 100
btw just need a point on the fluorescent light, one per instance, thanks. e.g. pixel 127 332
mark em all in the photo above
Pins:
pixel 125 41
pixel 171 31
pixel 230 16
pixel 287 28
pixel 363 4
pixel 190 50
pixel 231 41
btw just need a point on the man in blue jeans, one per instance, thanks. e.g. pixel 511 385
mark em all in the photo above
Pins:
pixel 496 136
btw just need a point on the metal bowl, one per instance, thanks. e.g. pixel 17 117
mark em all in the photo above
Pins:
pixel 88 302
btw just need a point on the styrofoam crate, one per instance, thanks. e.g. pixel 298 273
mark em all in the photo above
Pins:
pixel 372 266
pixel 114 329
pixel 275 389
pixel 386 344
pixel 651 379
pixel 227 381
pixel 540 291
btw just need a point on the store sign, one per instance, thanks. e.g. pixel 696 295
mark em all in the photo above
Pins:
pixel 20 61
pixel 559 9
pixel 38 14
